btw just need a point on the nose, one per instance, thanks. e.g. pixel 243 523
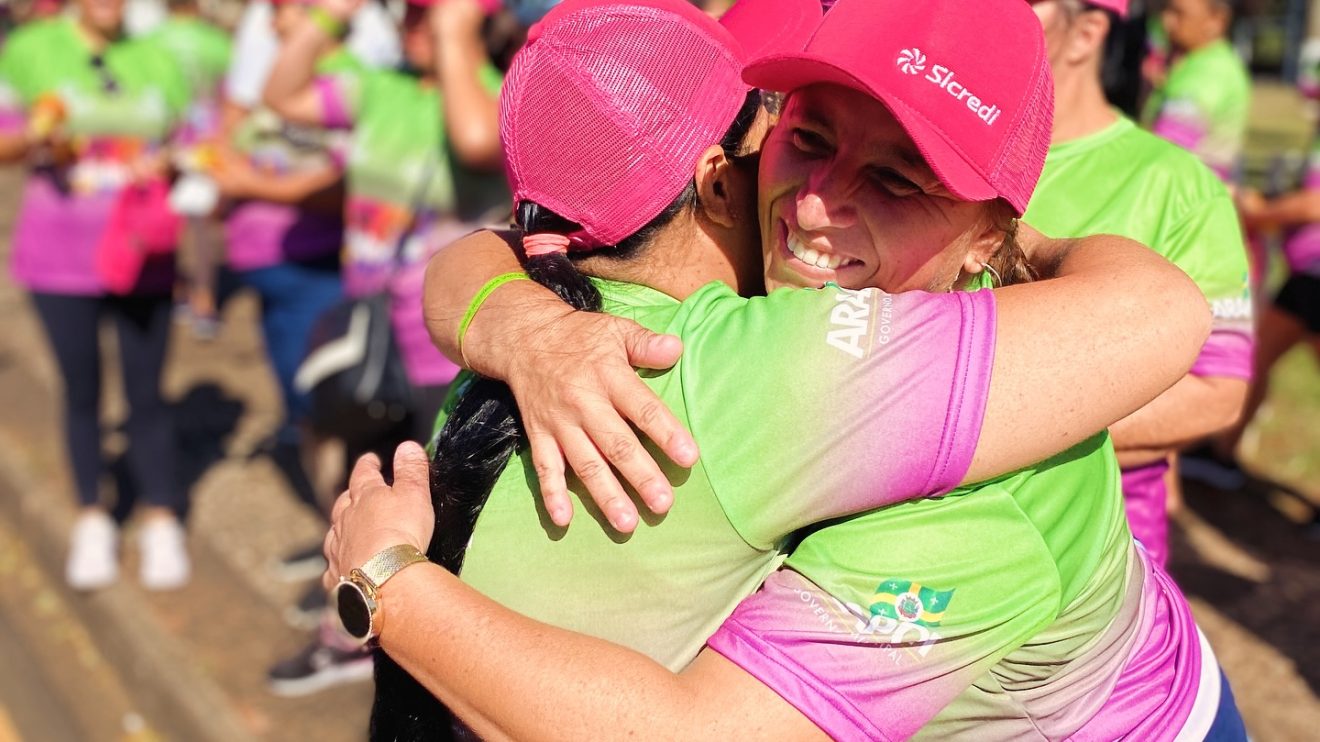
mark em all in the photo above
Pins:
pixel 823 203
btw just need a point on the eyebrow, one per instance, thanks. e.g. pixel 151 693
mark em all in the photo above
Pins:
pixel 908 154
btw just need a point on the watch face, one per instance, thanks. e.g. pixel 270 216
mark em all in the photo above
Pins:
pixel 354 610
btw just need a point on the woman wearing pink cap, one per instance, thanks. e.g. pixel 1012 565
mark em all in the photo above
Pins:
pixel 1019 605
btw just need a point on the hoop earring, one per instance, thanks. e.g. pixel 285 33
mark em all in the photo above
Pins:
pixel 993 273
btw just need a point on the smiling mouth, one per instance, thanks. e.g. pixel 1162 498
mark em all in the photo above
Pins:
pixel 817 259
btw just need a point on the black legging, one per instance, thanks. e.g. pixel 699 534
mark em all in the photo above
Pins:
pixel 142 324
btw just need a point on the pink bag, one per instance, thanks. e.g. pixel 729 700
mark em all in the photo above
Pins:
pixel 141 225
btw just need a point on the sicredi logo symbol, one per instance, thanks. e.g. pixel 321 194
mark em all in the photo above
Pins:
pixel 912 62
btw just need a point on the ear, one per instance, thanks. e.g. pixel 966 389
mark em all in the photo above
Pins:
pixel 984 242
pixel 1086 38
pixel 715 191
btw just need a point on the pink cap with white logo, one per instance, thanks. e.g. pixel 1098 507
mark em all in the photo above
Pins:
pixel 606 109
pixel 967 79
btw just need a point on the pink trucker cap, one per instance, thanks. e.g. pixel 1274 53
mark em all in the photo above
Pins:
pixel 606 109
pixel 967 79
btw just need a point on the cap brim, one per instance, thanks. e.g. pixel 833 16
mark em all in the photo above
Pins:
pixel 765 27
pixel 787 72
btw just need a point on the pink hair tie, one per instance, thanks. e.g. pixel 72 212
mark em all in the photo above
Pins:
pixel 544 243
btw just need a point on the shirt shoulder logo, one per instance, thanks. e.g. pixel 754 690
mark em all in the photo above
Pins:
pixel 911 61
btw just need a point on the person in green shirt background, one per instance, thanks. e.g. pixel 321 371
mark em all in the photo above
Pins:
pixel 1201 104
pixel 1105 175
pixel 90 111
pixel 424 166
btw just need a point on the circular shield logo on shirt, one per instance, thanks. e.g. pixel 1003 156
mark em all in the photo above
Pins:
pixel 909 606
pixel 911 61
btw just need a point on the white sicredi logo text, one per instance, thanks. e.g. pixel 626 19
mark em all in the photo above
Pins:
pixel 912 62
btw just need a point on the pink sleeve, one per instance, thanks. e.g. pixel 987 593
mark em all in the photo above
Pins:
pixel 1180 124
pixel 871 399
pixel 334 102
pixel 1227 352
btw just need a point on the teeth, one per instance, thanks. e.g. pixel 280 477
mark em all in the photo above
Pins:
pixel 811 256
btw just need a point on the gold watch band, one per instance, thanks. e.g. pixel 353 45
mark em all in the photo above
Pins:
pixel 387 563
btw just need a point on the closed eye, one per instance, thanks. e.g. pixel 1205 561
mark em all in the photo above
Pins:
pixel 810 142
pixel 894 182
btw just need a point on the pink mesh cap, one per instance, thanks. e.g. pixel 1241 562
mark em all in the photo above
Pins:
pixel 1118 6
pixel 967 79
pixel 606 109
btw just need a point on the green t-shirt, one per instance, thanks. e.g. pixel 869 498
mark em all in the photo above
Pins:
pixel 200 49
pixel 117 107
pixel 1018 608
pixel 400 163
pixel 131 91
pixel 807 405
pixel 408 196
pixel 1203 106
pixel 1125 181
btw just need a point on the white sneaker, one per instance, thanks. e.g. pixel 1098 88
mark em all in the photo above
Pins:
pixel 165 564
pixel 93 552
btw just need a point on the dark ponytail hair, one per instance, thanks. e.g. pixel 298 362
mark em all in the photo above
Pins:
pixel 1009 261
pixel 482 434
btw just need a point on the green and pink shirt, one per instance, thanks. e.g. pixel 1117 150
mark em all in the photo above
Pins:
pixel 807 405
pixel 1203 107
pixel 407 195
pixel 261 234
pixel 120 105
pixel 1125 181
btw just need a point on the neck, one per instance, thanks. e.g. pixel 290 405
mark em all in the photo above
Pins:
pixel 1201 44
pixel 96 38
pixel 679 260
pixel 1080 107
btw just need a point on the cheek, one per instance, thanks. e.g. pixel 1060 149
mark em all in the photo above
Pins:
pixel 915 249
pixel 779 171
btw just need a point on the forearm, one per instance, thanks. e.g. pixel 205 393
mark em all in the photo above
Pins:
pixel 1192 409
pixel 471 113
pixel 291 79
pixel 455 275
pixel 1079 352
pixel 509 676
pixel 295 188
pixel 1291 210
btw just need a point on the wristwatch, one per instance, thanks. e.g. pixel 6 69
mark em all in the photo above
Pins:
pixel 355 595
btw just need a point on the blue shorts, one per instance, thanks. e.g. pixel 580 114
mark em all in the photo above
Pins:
pixel 1228 726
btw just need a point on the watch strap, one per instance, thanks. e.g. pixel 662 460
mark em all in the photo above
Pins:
pixel 387 563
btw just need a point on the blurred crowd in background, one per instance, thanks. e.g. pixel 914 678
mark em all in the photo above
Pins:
pixel 316 154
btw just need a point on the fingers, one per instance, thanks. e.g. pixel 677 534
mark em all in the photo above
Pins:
pixel 640 405
pixel 366 473
pixel 599 480
pixel 341 503
pixel 412 470
pixel 548 461
pixel 619 445
pixel 647 349
pixel 331 551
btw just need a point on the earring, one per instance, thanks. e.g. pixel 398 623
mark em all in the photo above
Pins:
pixel 993 273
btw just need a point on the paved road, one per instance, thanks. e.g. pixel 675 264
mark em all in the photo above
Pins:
pixel 29 708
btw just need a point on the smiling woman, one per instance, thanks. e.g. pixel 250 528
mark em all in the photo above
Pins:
pixel 846 197
pixel 945 604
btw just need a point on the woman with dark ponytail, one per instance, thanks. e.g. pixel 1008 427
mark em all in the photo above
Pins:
pixel 482 432
pixel 993 603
